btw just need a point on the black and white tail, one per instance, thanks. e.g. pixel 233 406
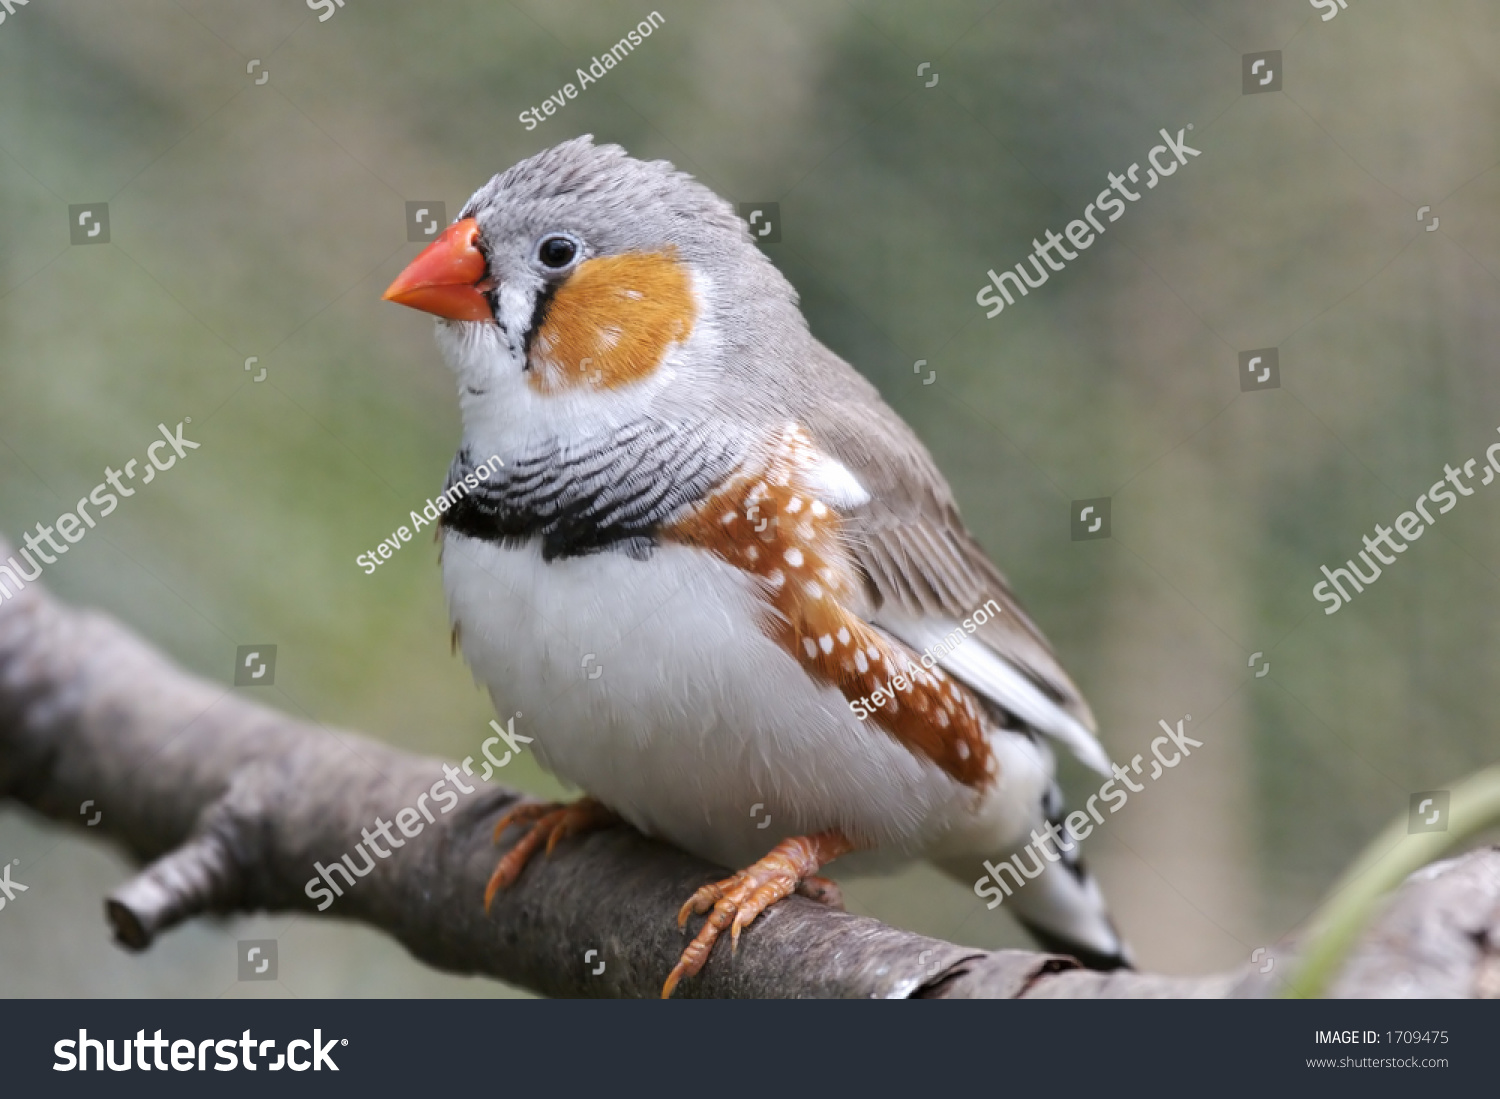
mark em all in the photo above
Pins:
pixel 1064 909
pixel 1058 902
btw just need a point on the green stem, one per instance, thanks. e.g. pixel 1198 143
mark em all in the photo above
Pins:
pixel 1393 856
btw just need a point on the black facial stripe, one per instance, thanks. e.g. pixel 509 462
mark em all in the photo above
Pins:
pixel 538 318
pixel 612 496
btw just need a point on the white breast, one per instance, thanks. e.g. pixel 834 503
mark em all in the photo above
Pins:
pixel 651 685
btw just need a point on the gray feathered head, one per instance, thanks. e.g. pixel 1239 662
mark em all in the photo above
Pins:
pixel 612 202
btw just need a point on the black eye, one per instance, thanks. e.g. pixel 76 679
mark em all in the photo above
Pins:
pixel 557 252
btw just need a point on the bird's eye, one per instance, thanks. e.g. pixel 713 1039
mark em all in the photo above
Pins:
pixel 557 252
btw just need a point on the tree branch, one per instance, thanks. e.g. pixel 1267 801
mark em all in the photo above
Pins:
pixel 232 805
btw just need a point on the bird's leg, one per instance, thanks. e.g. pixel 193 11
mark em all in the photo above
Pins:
pixel 735 902
pixel 549 821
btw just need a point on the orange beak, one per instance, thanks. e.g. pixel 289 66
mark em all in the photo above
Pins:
pixel 444 279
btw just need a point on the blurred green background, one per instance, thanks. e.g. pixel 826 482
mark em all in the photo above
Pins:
pixel 265 219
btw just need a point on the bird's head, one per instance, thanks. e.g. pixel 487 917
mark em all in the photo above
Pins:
pixel 581 286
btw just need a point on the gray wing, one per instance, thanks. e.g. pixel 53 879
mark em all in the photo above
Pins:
pixel 924 571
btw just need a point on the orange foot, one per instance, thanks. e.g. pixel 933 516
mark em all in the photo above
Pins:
pixel 549 821
pixel 735 902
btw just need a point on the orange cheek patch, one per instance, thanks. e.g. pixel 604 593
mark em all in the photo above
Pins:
pixel 765 522
pixel 612 322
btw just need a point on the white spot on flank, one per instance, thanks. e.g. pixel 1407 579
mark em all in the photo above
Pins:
pixel 963 745
pixel 813 591
pixel 794 504
pixel 752 553
pixel 843 635
pixel 825 643
pixel 793 557
pixel 810 645
pixel 728 518
pixel 874 652
pixel 775 578
pixel 819 508
pixel 861 663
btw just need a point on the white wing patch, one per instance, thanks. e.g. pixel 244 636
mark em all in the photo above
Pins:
pixel 830 481
pixel 982 669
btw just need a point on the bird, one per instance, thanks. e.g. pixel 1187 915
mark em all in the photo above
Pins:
pixel 724 580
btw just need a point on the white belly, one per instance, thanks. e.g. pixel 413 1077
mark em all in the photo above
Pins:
pixel 689 721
